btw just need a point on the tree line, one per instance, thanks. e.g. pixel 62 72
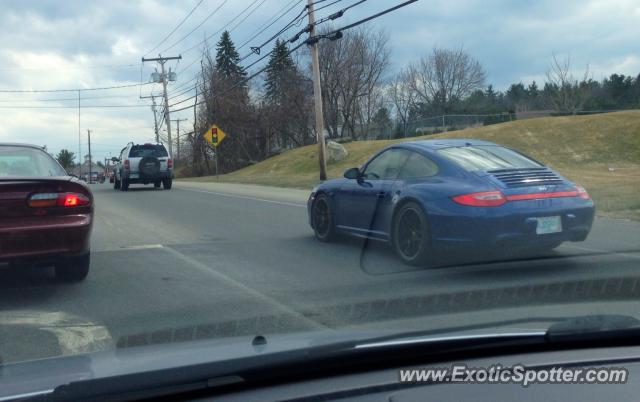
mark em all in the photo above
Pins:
pixel 363 99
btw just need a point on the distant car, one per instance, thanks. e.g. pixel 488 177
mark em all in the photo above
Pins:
pixel 460 196
pixel 144 163
pixel 46 216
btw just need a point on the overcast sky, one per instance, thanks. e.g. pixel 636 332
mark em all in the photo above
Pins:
pixel 87 44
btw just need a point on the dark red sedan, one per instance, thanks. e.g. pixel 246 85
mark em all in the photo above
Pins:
pixel 46 216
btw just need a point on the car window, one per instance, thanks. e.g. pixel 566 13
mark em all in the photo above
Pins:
pixel 386 166
pixel 417 165
pixel 22 161
pixel 487 157
pixel 141 151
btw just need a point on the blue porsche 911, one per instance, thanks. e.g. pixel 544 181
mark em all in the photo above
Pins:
pixel 464 196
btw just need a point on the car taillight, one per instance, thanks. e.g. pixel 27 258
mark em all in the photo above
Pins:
pixel 582 193
pixel 43 200
pixel 169 163
pixel 482 199
pixel 126 164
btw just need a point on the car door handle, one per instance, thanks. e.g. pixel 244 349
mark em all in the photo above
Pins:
pixel 382 194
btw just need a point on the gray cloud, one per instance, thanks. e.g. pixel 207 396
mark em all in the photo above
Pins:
pixel 75 43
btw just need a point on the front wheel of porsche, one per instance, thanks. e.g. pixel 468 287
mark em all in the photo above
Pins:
pixel 322 219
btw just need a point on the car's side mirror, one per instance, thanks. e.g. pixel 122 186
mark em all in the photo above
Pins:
pixel 353 173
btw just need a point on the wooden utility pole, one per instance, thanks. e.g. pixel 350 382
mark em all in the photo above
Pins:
pixel 155 116
pixel 177 155
pixel 164 79
pixel 317 93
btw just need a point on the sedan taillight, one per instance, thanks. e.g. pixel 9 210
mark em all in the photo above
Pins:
pixel 44 200
pixel 482 199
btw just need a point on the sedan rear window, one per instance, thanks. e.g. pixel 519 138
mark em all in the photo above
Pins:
pixel 487 157
pixel 28 162
pixel 141 151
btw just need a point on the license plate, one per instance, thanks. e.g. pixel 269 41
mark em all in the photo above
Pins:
pixel 549 224
pixel 133 176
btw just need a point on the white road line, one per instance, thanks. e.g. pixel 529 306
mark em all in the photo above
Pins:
pixel 276 304
pixel 75 334
pixel 597 250
pixel 291 204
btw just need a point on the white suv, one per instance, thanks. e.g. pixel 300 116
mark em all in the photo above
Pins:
pixel 144 163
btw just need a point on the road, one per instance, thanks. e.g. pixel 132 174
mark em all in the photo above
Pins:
pixel 208 260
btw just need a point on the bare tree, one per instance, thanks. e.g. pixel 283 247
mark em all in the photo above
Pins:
pixel 446 76
pixel 403 98
pixel 351 69
pixel 568 95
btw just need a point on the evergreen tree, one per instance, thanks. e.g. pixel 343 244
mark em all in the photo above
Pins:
pixel 228 59
pixel 280 70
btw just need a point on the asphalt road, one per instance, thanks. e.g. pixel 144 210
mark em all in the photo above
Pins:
pixel 216 260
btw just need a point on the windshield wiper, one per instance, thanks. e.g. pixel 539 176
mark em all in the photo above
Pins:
pixel 356 354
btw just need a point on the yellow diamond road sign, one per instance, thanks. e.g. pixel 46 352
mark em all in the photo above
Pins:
pixel 214 135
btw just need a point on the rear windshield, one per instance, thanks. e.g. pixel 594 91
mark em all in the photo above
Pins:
pixel 23 161
pixel 141 151
pixel 487 157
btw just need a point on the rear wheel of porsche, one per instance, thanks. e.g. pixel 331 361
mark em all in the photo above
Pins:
pixel 73 269
pixel 410 236
pixel 322 219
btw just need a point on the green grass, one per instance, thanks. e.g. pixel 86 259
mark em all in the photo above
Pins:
pixel 581 147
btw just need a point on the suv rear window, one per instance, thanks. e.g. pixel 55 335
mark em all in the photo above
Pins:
pixel 487 157
pixel 141 151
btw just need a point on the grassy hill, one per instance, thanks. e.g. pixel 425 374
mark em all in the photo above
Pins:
pixel 601 152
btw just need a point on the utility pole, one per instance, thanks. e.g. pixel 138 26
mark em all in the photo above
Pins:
pixel 89 145
pixel 164 78
pixel 317 92
pixel 155 116
pixel 177 155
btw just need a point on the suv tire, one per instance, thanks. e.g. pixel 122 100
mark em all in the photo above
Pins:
pixel 167 183
pixel 156 184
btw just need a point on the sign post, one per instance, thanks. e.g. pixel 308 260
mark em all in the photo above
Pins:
pixel 214 136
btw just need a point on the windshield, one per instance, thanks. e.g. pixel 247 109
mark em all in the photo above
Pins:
pixel 23 161
pixel 482 157
pixel 308 171
pixel 141 151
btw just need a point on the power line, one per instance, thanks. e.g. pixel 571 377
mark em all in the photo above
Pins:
pixel 295 20
pixel 221 29
pixel 197 26
pixel 65 99
pixel 69 107
pixel 72 90
pixel 264 28
pixel 336 34
pixel 176 27
pixel 238 83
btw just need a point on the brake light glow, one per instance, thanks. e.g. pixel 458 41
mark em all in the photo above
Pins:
pixel 169 163
pixel 44 200
pixel 126 164
pixel 482 199
pixel 496 198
